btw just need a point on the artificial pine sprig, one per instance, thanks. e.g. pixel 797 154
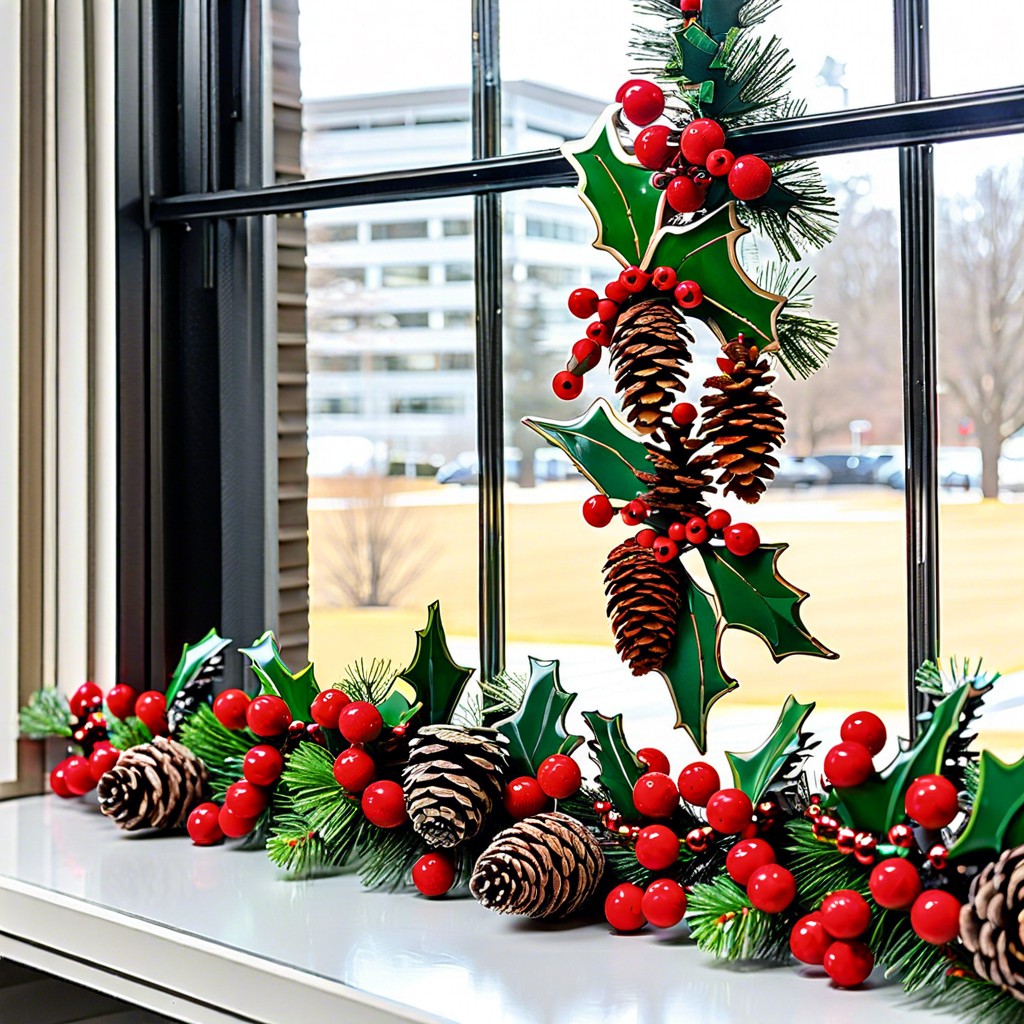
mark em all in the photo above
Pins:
pixel 723 922
pixel 46 714
pixel 128 733
pixel 370 682
pixel 970 998
pixel 797 213
pixel 805 342
pixel 818 867
pixel 222 750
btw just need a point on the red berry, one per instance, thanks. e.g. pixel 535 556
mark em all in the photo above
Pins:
pixel 608 311
pixel 567 385
pixel 848 963
pixel 932 801
pixel 151 711
pixel 559 776
pixel 586 354
pixel 719 162
pixel 327 706
pixel 865 728
pixel 690 8
pixel 232 825
pixel 383 804
pixel 688 294
pixel 664 279
pixel 616 291
pixel 524 798
pixel 230 708
pixel 729 811
pixel 642 102
pixel 697 531
pixel 845 914
pixel 87 696
pixel 683 413
pixel 727 366
pixel 59 782
pixel 634 513
pixel 600 333
pixel 655 148
pixel 121 701
pixel 360 722
pixel 246 800
pixel 101 760
pixel 935 917
pixel 746 857
pixel 204 825
pixel 665 549
pixel 741 539
pixel 657 847
pixel 262 765
pixel 771 888
pixel 598 511
pixel 808 941
pixel 433 874
pixel 684 195
pixel 663 903
pixel 655 760
pixel 646 538
pixel 655 795
pixel 78 776
pixel 895 883
pixel 749 178
pixel 634 280
pixel 677 532
pixel 622 908
pixel 698 783
pixel 583 303
pixel 621 91
pixel 268 715
pixel 354 769
pixel 719 519
pixel 848 765
pixel 699 138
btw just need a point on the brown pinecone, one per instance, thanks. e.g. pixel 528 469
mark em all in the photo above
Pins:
pixel 453 781
pixel 745 424
pixel 154 785
pixel 644 600
pixel 680 479
pixel 547 865
pixel 990 922
pixel 650 344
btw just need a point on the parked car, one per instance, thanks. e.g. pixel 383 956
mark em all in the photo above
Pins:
pixel 959 467
pixel 800 471
pixel 848 468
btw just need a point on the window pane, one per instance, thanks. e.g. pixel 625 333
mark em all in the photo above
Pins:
pixel 966 61
pixel 980 292
pixel 392 391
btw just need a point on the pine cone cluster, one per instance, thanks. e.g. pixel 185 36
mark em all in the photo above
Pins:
pixel 648 349
pixel 644 601
pixel 744 424
pixel 453 781
pixel 195 692
pixel 991 922
pixel 154 785
pixel 680 479
pixel 547 865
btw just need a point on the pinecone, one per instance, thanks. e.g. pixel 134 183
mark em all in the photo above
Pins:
pixel 680 478
pixel 991 922
pixel 195 692
pixel 154 785
pixel 453 781
pixel 644 601
pixel 650 344
pixel 745 424
pixel 548 865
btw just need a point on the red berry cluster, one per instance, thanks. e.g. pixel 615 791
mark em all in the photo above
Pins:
pixel 558 778
pixel 848 764
pixel 831 936
pixel 627 908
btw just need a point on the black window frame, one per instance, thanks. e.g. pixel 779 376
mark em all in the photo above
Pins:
pixel 191 203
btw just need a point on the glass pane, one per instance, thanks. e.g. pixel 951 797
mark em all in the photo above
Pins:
pixel 392 431
pixel 369 107
pixel 980 292
pixel 985 57
pixel 831 511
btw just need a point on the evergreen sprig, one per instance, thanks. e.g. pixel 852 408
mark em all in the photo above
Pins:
pixel 818 867
pixel 797 214
pixel 897 947
pixel 502 696
pixel 370 682
pixel 805 342
pixel 723 923
pixel 128 733
pixel 222 750
pixel 972 998
pixel 46 714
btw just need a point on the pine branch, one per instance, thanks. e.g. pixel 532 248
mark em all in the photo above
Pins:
pixel 127 734
pixel 723 923
pixel 220 749
pixel 371 683
pixel 818 867
pixel 763 68
pixel 502 696
pixel 46 714
pixel 804 342
pixel 388 856
pixel 897 947
pixel 971 998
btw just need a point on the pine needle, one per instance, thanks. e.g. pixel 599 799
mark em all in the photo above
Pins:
pixel 222 750
pixel 502 696
pixel 798 213
pixel 46 714
pixel 723 923
pixel 371 683
pixel 805 342
pixel 127 734
pixel 973 999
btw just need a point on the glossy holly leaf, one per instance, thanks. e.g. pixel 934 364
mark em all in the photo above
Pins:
pixel 537 730
pixel 620 767
pixel 693 670
pixel 400 705
pixel 603 448
pixel 436 679
pixel 296 689
pixel 996 822
pixel 617 190
pixel 192 660
pixel 756 770
pixel 753 596
pixel 877 804
pixel 705 252
pixel 719 17
pixel 703 59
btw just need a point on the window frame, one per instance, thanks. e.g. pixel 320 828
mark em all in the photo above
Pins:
pixel 190 208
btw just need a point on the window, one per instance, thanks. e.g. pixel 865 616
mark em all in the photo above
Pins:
pixel 405 277
pixel 347 405
pixel 399 230
pixel 333 232
pixel 458 272
pixel 432 405
pixel 461 226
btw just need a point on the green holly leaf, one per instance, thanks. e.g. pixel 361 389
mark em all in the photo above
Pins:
pixel 192 660
pixel 693 669
pixel 620 767
pixel 877 804
pixel 537 730
pixel 719 17
pixel 617 190
pixel 400 705
pixel 603 448
pixel 996 822
pixel 753 596
pixel 297 689
pixel 437 681
pixel 705 65
pixel 705 252
pixel 755 771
